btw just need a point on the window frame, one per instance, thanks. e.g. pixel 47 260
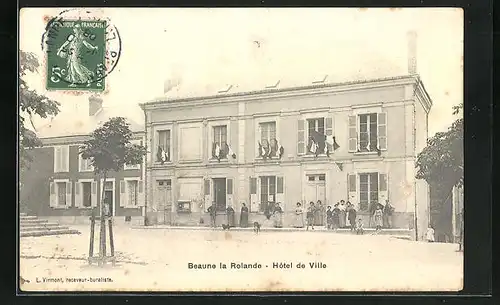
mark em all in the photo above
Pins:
pixel 80 168
pixel 56 168
pixel 368 132
pixel 127 203
pixel 156 133
pixel 316 119
pixel 137 166
pixel 265 119
pixel 369 175
pixel 89 180
pixel 261 205
pixel 56 190
pixel 210 130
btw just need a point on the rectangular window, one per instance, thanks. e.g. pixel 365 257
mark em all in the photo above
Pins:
pixel 61 159
pixel 268 138
pixel 61 193
pixel 132 191
pixel 164 144
pixel 85 164
pixel 368 190
pixel 315 125
pixel 135 166
pixel 267 191
pixel 368 132
pixel 220 141
pixel 86 194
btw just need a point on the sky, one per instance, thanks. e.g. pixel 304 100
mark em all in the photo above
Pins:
pixel 205 50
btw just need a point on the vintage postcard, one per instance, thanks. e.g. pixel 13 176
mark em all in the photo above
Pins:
pixel 253 150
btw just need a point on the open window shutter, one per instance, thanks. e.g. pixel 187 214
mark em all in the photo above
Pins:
pixel 229 192
pixel 329 130
pixel 53 201
pixel 353 133
pixel 207 192
pixel 280 191
pixel 94 194
pixel 383 188
pixel 301 137
pixel 65 158
pixel 382 131
pixel 68 193
pixel 57 159
pixel 78 194
pixel 254 206
pixel 123 194
pixel 140 193
pixel 351 189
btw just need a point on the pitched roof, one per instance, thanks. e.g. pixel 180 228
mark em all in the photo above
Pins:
pixel 80 123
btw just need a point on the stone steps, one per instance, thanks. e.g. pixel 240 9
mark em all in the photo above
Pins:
pixel 42 228
pixel 47 232
pixel 31 226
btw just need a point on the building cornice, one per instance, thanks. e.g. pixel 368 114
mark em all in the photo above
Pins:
pixel 422 95
pixel 75 139
pixel 273 94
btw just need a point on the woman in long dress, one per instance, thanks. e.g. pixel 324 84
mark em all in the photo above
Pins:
pixel 244 216
pixel 319 214
pixel 73 50
pixel 278 216
pixel 298 221
pixel 230 216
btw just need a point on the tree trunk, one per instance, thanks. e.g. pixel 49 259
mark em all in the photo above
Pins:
pixel 102 237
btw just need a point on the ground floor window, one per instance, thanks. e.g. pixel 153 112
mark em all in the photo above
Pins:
pixel 87 194
pixel 61 193
pixel 132 190
pixel 267 192
pixel 368 190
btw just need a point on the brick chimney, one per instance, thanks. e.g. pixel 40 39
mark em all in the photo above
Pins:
pixel 412 52
pixel 95 104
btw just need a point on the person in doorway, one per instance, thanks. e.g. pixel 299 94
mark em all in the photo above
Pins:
pixel 388 210
pixel 298 221
pixel 351 215
pixel 278 216
pixel 244 216
pixel 336 216
pixel 230 216
pixel 212 210
pixel 310 215
pixel 342 215
pixel 377 217
pixel 429 235
pixel 319 214
pixel 329 218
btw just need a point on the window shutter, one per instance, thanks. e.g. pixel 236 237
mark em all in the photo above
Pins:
pixel 68 193
pixel 229 192
pixel 65 159
pixel 208 201
pixel 254 205
pixel 301 137
pixel 351 189
pixel 280 191
pixel 78 194
pixel 53 201
pixel 382 131
pixel 383 187
pixel 57 159
pixel 123 193
pixel 329 131
pixel 93 197
pixel 140 193
pixel 353 133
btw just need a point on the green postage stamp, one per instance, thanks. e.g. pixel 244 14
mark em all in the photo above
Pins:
pixel 80 53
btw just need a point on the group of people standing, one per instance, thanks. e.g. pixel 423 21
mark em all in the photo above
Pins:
pixel 342 215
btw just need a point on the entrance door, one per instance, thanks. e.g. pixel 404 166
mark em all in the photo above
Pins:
pixel 164 201
pixel 108 198
pixel 220 193
pixel 315 190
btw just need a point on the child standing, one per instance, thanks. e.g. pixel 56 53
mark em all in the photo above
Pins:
pixel 359 227
pixel 378 216
pixel 430 234
pixel 310 215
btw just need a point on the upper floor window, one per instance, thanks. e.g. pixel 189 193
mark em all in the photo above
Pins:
pixel 268 143
pixel 61 159
pixel 135 166
pixel 368 132
pixel 163 153
pixel 220 147
pixel 315 136
pixel 85 165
